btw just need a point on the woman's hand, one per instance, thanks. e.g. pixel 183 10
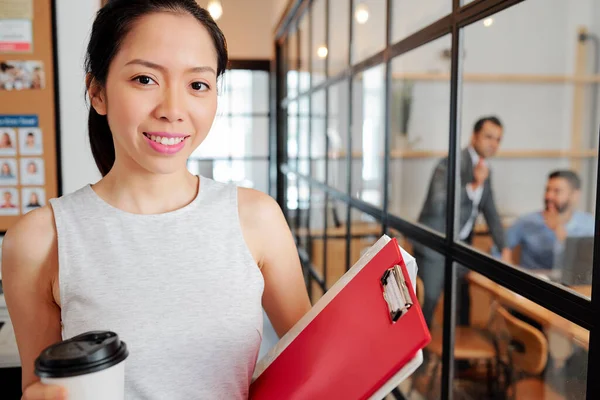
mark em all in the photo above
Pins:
pixel 41 391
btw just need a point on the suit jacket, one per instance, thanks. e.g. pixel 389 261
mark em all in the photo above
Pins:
pixel 433 213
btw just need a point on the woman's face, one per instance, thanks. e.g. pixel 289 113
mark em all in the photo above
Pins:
pixel 6 139
pixel 33 198
pixel 32 168
pixel 5 169
pixel 161 87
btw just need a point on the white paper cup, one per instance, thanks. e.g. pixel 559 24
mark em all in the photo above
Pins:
pixel 91 366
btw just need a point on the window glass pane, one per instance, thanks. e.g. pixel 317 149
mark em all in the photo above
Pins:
pixel 337 135
pixel 538 175
pixel 304 64
pixel 368 111
pixel 410 16
pixel 236 137
pixel 318 135
pixel 303 136
pixel 291 205
pixel 339 43
pixel 419 109
pixel 302 221
pixel 316 218
pixel 368 28
pixel 336 241
pixel 260 96
pixel 319 46
pixel 292 134
pixel 243 92
pixel 544 354
pixel 245 173
pixel 365 230
pixel 425 382
pixel 292 64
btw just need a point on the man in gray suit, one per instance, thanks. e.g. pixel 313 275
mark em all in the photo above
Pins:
pixel 476 196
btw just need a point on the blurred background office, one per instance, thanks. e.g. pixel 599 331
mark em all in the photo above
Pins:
pixel 466 129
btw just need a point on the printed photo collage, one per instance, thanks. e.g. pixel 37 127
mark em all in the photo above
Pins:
pixel 22 75
pixel 22 175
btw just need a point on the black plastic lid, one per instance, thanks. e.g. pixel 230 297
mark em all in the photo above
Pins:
pixel 83 354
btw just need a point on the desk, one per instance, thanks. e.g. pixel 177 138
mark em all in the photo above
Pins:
pixel 545 317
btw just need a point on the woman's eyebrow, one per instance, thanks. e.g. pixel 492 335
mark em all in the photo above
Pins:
pixel 158 67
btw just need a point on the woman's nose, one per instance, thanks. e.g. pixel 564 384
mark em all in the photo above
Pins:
pixel 171 107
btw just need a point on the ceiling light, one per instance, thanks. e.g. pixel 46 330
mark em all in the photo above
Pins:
pixel 361 13
pixel 215 9
pixel 322 51
pixel 488 22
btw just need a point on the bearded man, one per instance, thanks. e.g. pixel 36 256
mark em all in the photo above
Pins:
pixel 541 235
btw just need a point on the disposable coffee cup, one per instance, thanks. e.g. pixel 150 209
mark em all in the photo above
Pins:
pixel 91 366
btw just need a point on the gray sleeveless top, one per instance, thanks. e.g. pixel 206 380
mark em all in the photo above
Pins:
pixel 180 288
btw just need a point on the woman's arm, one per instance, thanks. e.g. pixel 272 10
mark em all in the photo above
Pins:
pixel 29 271
pixel 267 234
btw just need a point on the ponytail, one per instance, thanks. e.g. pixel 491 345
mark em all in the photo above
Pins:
pixel 101 141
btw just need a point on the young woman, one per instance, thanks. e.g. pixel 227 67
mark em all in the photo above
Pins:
pixel 180 266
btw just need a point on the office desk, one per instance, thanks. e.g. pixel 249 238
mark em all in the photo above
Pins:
pixel 543 316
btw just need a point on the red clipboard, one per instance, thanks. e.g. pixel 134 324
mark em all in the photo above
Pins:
pixel 353 340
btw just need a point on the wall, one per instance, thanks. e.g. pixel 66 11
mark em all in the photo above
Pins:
pixel 74 20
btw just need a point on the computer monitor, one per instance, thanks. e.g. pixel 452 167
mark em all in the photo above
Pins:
pixel 578 261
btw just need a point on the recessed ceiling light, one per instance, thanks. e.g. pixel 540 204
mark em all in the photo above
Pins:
pixel 215 9
pixel 322 52
pixel 361 13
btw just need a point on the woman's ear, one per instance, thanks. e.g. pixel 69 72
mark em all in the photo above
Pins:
pixel 96 93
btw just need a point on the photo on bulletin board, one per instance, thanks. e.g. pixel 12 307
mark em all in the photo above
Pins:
pixel 32 171
pixel 30 142
pixel 32 198
pixel 8 142
pixel 22 75
pixel 9 201
pixel 8 171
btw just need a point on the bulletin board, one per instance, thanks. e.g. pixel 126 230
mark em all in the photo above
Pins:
pixel 29 131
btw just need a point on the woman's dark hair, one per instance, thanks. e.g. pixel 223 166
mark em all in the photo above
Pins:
pixel 113 22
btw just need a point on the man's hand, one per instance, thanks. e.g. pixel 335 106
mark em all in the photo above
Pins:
pixel 556 222
pixel 480 174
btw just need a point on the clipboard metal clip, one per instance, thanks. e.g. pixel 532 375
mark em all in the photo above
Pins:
pixel 395 293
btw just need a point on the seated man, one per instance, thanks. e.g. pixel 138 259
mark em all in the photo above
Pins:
pixel 541 235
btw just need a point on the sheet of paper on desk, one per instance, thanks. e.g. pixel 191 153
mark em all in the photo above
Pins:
pixel 400 376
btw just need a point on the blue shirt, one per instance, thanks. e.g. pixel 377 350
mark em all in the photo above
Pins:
pixel 539 245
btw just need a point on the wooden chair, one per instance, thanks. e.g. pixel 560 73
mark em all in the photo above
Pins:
pixel 523 351
pixel 471 343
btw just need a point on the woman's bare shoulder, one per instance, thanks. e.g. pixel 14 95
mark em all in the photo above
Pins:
pixel 30 242
pixel 262 220
pixel 256 205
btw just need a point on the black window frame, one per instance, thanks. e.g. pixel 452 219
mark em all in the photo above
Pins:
pixel 573 307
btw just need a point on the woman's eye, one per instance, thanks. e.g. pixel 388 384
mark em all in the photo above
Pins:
pixel 144 80
pixel 199 86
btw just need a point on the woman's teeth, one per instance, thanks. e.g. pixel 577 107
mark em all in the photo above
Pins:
pixel 166 141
